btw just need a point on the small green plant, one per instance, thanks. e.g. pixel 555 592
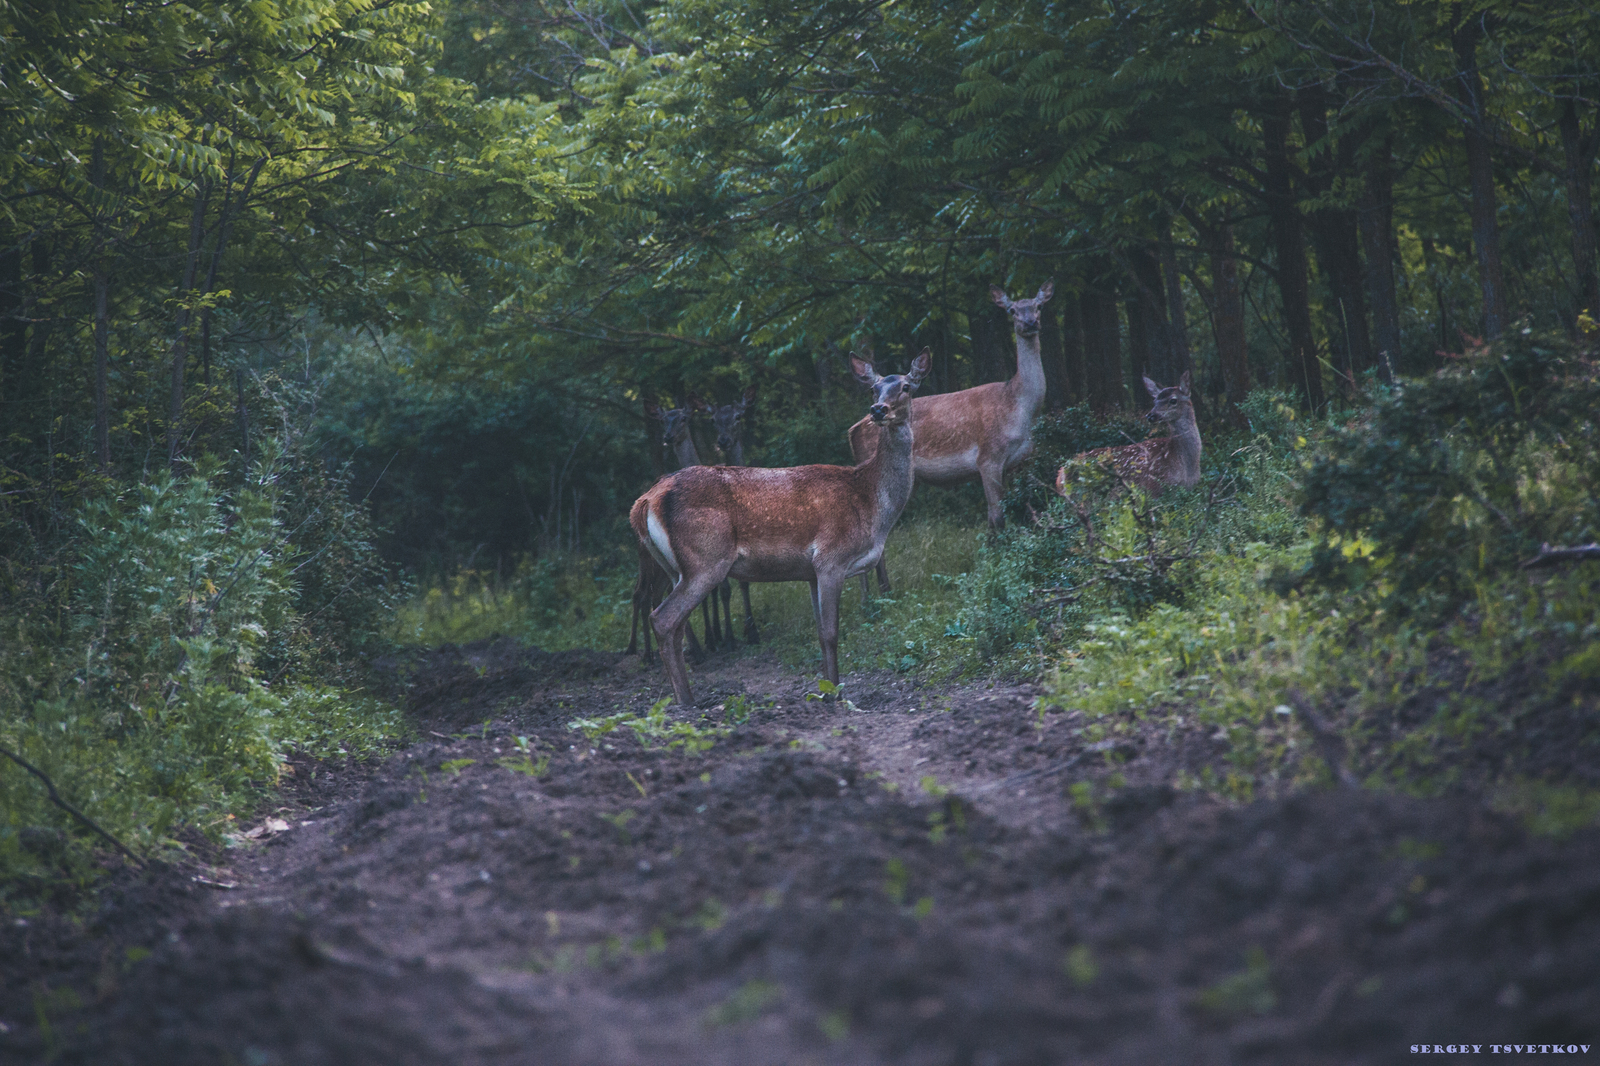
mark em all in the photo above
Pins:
pixel 1246 992
pixel 895 880
pixel 1080 966
pixel 455 766
pixel 751 1000
pixel 654 727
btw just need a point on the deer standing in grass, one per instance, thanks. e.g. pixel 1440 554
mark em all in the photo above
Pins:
pixel 978 433
pixel 1153 465
pixel 821 524
pixel 728 419
pixel 652 579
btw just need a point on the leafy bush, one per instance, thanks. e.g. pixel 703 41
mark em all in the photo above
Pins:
pixel 141 695
pixel 1450 479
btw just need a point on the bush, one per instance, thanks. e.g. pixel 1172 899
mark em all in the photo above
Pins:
pixel 1449 480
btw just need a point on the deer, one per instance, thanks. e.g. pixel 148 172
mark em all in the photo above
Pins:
pixel 1161 462
pixel 980 433
pixel 727 420
pixel 821 524
pixel 652 579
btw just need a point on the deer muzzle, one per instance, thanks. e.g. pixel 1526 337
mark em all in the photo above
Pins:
pixel 879 412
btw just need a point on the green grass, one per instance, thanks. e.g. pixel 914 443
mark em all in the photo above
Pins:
pixel 564 603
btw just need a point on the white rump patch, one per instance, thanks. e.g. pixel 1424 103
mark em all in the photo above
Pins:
pixel 660 546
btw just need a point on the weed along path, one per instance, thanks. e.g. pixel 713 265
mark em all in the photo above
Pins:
pixel 927 875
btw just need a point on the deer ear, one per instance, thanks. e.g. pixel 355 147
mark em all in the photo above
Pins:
pixel 1183 383
pixel 1047 290
pixel 863 371
pixel 1153 389
pixel 919 368
pixel 998 295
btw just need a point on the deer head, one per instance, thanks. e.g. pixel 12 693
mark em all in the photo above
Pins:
pixel 891 395
pixel 726 418
pixel 1024 313
pixel 674 421
pixel 1172 402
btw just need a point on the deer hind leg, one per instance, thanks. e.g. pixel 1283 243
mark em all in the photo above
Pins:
pixel 671 619
pixel 725 590
pixel 751 636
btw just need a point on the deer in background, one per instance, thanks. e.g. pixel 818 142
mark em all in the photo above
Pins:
pixel 821 524
pixel 652 580
pixel 1152 465
pixel 727 419
pixel 978 433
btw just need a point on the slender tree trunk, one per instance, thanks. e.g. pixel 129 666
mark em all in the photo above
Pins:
pixel 1057 388
pixel 1579 151
pixel 1228 318
pixel 1334 228
pixel 1301 369
pixel 13 330
pixel 1072 346
pixel 1180 361
pixel 988 346
pixel 1138 343
pixel 180 344
pixel 1147 320
pixel 1102 350
pixel 102 322
pixel 244 415
pixel 1480 173
pixel 1376 222
pixel 1430 261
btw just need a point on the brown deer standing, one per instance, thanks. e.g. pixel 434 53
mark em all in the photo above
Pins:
pixel 978 433
pixel 652 580
pixel 1153 465
pixel 821 524
pixel 726 419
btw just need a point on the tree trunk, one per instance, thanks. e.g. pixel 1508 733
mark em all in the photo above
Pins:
pixel 1578 151
pixel 1376 222
pixel 1180 360
pixel 1057 389
pixel 1430 261
pixel 102 322
pixel 180 344
pixel 13 330
pixel 1072 346
pixel 991 360
pixel 1338 247
pixel 1228 318
pixel 1148 339
pixel 1480 172
pixel 1301 369
pixel 1102 351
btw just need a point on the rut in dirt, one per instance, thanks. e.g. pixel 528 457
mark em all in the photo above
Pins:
pixel 916 881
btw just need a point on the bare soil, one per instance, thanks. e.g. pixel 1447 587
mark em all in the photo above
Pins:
pixel 911 880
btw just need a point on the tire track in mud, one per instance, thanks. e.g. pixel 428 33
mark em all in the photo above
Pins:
pixel 910 881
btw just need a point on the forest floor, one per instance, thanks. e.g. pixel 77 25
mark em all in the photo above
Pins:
pixel 934 874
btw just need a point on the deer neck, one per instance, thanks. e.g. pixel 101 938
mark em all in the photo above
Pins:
pixel 683 451
pixel 888 477
pixel 1186 436
pixel 736 455
pixel 1028 385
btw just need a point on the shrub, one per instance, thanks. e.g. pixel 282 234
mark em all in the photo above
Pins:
pixel 1450 479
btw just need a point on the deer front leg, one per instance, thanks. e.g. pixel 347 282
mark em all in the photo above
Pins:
pixel 827 596
pixel 726 592
pixel 993 477
pixel 883 583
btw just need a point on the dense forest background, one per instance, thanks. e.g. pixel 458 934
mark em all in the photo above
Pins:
pixel 303 301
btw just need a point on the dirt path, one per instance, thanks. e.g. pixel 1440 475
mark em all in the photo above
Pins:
pixel 935 876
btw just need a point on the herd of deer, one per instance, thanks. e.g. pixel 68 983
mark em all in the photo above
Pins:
pixel 704 525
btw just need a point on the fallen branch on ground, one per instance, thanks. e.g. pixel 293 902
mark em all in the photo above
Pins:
pixel 55 797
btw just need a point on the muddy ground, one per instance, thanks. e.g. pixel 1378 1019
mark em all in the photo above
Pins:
pixel 919 878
